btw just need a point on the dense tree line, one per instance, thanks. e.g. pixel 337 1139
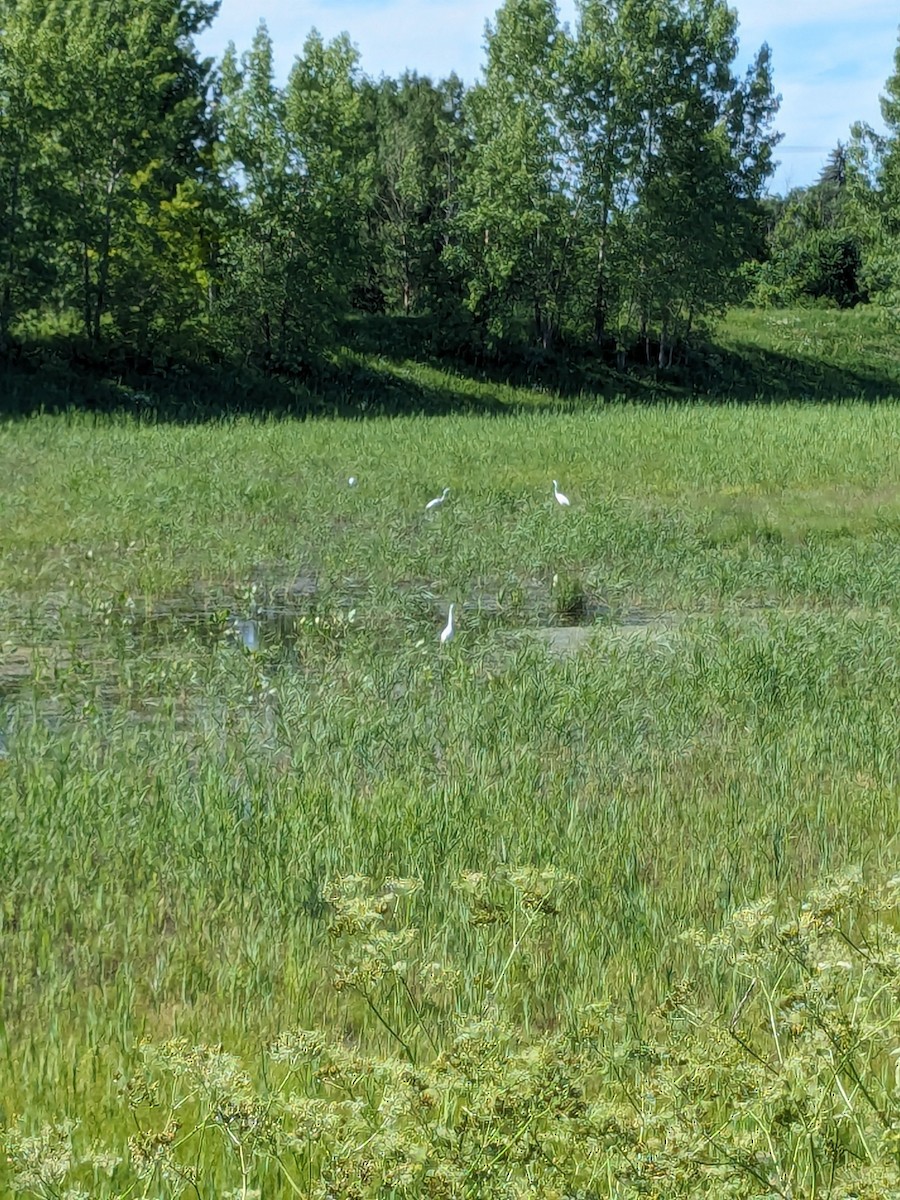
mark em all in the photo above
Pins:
pixel 812 249
pixel 837 242
pixel 598 186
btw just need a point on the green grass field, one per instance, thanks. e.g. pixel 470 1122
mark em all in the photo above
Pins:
pixel 663 703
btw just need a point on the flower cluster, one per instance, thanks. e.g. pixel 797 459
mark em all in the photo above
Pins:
pixel 788 1087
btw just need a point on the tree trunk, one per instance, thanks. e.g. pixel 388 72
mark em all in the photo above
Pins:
pixel 86 289
pixel 600 289
pixel 103 266
pixel 267 336
pixel 543 325
pixel 547 332
pixel 600 309
pixel 407 290
pixel 6 299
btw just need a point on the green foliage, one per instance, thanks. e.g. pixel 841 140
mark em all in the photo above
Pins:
pixel 788 1090
pixel 593 187
pixel 612 173
pixel 704 150
pixel 202 833
pixel 813 251
pixel 297 183
pixel 569 598
pixel 514 220
pixel 822 265
pixel 874 184
pixel 421 143
pixel 107 168
pixel 26 190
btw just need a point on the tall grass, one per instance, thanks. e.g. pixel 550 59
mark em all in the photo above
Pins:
pixel 175 808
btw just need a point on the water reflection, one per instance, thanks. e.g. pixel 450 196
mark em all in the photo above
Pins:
pixel 94 664
pixel 247 632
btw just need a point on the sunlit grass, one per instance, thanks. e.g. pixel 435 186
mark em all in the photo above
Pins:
pixel 172 805
pixel 663 499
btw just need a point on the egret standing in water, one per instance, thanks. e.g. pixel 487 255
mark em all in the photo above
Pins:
pixel 560 498
pixel 438 500
pixel 247 633
pixel 448 631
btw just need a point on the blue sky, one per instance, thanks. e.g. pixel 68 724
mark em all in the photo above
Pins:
pixel 830 59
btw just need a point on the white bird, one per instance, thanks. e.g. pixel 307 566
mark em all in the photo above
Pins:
pixel 351 482
pixel 560 498
pixel 448 630
pixel 438 500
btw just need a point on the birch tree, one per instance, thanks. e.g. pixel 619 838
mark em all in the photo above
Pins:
pixel 295 164
pixel 514 221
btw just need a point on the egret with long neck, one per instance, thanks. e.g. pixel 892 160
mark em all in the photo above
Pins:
pixel 448 631
pixel 438 500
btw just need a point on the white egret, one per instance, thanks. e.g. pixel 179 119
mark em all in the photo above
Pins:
pixel 560 498
pixel 351 482
pixel 448 631
pixel 438 500
pixel 247 633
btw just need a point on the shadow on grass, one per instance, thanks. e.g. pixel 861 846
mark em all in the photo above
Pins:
pixel 198 393
pixel 390 367
pixel 734 371
pixel 747 372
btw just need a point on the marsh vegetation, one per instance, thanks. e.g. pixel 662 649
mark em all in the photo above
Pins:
pixel 245 791
pixel 591 894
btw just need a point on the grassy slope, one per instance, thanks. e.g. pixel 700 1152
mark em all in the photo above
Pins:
pixel 170 806
pixel 387 368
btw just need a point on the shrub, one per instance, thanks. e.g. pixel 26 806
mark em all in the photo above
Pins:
pixel 787 1087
